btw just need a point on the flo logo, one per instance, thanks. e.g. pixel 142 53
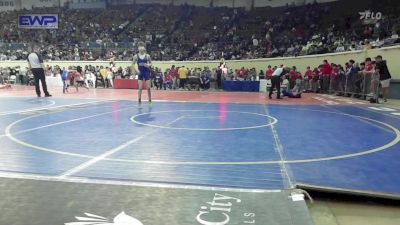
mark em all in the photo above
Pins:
pixel 91 219
pixel 368 15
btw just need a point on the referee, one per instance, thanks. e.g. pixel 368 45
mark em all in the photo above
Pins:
pixel 276 81
pixel 36 66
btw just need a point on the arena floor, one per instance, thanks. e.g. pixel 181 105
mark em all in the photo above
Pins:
pixel 98 152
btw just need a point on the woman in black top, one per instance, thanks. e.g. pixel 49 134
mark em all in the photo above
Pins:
pixel 384 76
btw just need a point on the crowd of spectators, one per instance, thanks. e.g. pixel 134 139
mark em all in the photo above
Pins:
pixel 353 79
pixel 174 78
pixel 200 33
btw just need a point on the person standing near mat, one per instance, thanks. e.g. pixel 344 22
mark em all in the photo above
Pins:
pixel 142 64
pixel 276 81
pixel 36 66
pixel 384 76
pixel 326 75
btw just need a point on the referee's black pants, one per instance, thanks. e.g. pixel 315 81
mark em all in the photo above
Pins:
pixel 275 83
pixel 38 74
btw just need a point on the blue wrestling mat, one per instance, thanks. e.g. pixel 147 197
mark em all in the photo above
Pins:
pixel 248 146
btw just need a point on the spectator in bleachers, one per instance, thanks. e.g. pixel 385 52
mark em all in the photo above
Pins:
pixel 201 34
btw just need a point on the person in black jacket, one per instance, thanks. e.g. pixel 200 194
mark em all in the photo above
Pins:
pixel 384 76
pixel 36 65
pixel 276 80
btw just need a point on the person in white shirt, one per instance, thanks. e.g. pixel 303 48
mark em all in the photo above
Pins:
pixel 110 77
pixel 276 81
pixel 36 66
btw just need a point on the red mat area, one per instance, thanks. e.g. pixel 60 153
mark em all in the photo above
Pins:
pixel 190 96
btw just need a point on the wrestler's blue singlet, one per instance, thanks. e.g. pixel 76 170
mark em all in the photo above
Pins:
pixel 144 71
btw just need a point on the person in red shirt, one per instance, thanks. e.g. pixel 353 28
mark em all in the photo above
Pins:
pixel 326 74
pixel 268 72
pixel 299 82
pixel 77 80
pixel 168 81
pixel 244 73
pixel 71 77
pixel 307 79
pixel 292 77
pixel 241 74
pixel 367 74
pixel 315 80
pixel 334 79
pixel 175 77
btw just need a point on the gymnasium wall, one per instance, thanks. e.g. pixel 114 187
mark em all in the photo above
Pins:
pixel 37 3
pixel 6 5
pixel 391 54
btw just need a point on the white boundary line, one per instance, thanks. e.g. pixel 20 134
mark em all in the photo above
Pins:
pixel 52 102
pixel 58 123
pixel 14 175
pixel 49 108
pixel 380 112
pixel 10 135
pixel 110 152
pixel 81 180
pixel 361 153
pixel 166 100
pixel 279 150
pixel 103 156
pixel 274 121
pixel 364 121
pixel 383 109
